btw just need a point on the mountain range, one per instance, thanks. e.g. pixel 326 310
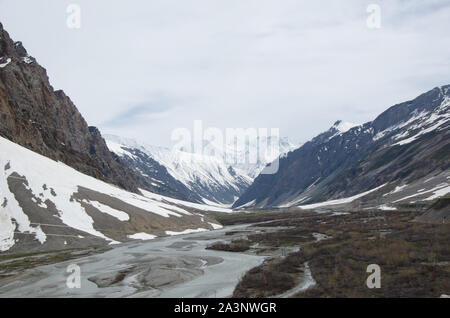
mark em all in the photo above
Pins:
pixel 401 156
pixel 64 185
pixel 194 177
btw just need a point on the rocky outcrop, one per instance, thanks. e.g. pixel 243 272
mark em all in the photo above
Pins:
pixel 46 121
pixel 438 212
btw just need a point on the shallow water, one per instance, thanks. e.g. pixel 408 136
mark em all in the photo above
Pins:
pixel 187 270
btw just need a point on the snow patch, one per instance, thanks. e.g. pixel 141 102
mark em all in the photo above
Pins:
pixel 120 215
pixel 3 65
pixel 386 208
pixel 216 226
pixel 171 233
pixel 142 236
pixel 339 201
pixel 62 182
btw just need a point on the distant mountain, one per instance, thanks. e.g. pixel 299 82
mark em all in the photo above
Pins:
pixel 401 156
pixel 46 121
pixel 240 154
pixel 182 175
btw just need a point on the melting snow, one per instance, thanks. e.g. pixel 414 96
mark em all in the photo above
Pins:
pixel 216 226
pixel 61 183
pixel 386 208
pixel 339 201
pixel 438 193
pixel 440 190
pixel 186 231
pixel 397 189
pixel 120 215
pixel 142 236
pixel 345 126
pixel 27 60
pixel 6 63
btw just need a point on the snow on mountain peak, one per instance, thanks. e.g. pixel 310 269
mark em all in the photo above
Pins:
pixel 343 127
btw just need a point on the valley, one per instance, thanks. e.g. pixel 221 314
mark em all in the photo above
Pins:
pixel 90 213
pixel 288 254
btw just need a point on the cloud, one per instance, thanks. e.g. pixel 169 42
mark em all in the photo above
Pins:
pixel 293 64
pixel 156 109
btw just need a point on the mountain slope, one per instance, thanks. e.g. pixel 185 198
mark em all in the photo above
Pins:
pixel 181 175
pixel 47 205
pixel 36 116
pixel 51 193
pixel 406 145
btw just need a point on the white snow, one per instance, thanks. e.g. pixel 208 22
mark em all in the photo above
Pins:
pixel 342 127
pixel 423 123
pixel 6 230
pixel 189 168
pixel 186 231
pixel 388 130
pixel 248 204
pixel 397 189
pixel 320 237
pixel 118 149
pixel 438 193
pixel 3 65
pixel 440 190
pixel 208 170
pixel 196 206
pixel 216 226
pixel 63 181
pixel 142 236
pixel 120 215
pixel 345 126
pixel 423 132
pixel 339 201
pixel 27 60
pixel 386 208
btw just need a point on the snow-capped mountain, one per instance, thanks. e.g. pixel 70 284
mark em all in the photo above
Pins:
pixel 239 156
pixel 182 175
pixel 219 178
pixel 402 156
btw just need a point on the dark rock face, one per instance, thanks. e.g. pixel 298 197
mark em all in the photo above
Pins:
pixel 156 178
pixel 405 143
pixel 46 121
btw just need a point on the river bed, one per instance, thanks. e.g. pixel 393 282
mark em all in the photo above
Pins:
pixel 170 267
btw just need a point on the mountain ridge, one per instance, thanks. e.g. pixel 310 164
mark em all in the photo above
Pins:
pixel 335 165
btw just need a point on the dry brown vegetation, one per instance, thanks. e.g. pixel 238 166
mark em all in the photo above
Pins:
pixel 414 257
pixel 234 246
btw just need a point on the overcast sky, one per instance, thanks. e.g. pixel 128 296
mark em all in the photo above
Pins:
pixel 142 68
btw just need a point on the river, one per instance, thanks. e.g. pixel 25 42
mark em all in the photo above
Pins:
pixel 170 267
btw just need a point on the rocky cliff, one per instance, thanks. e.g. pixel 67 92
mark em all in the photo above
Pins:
pixel 46 121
